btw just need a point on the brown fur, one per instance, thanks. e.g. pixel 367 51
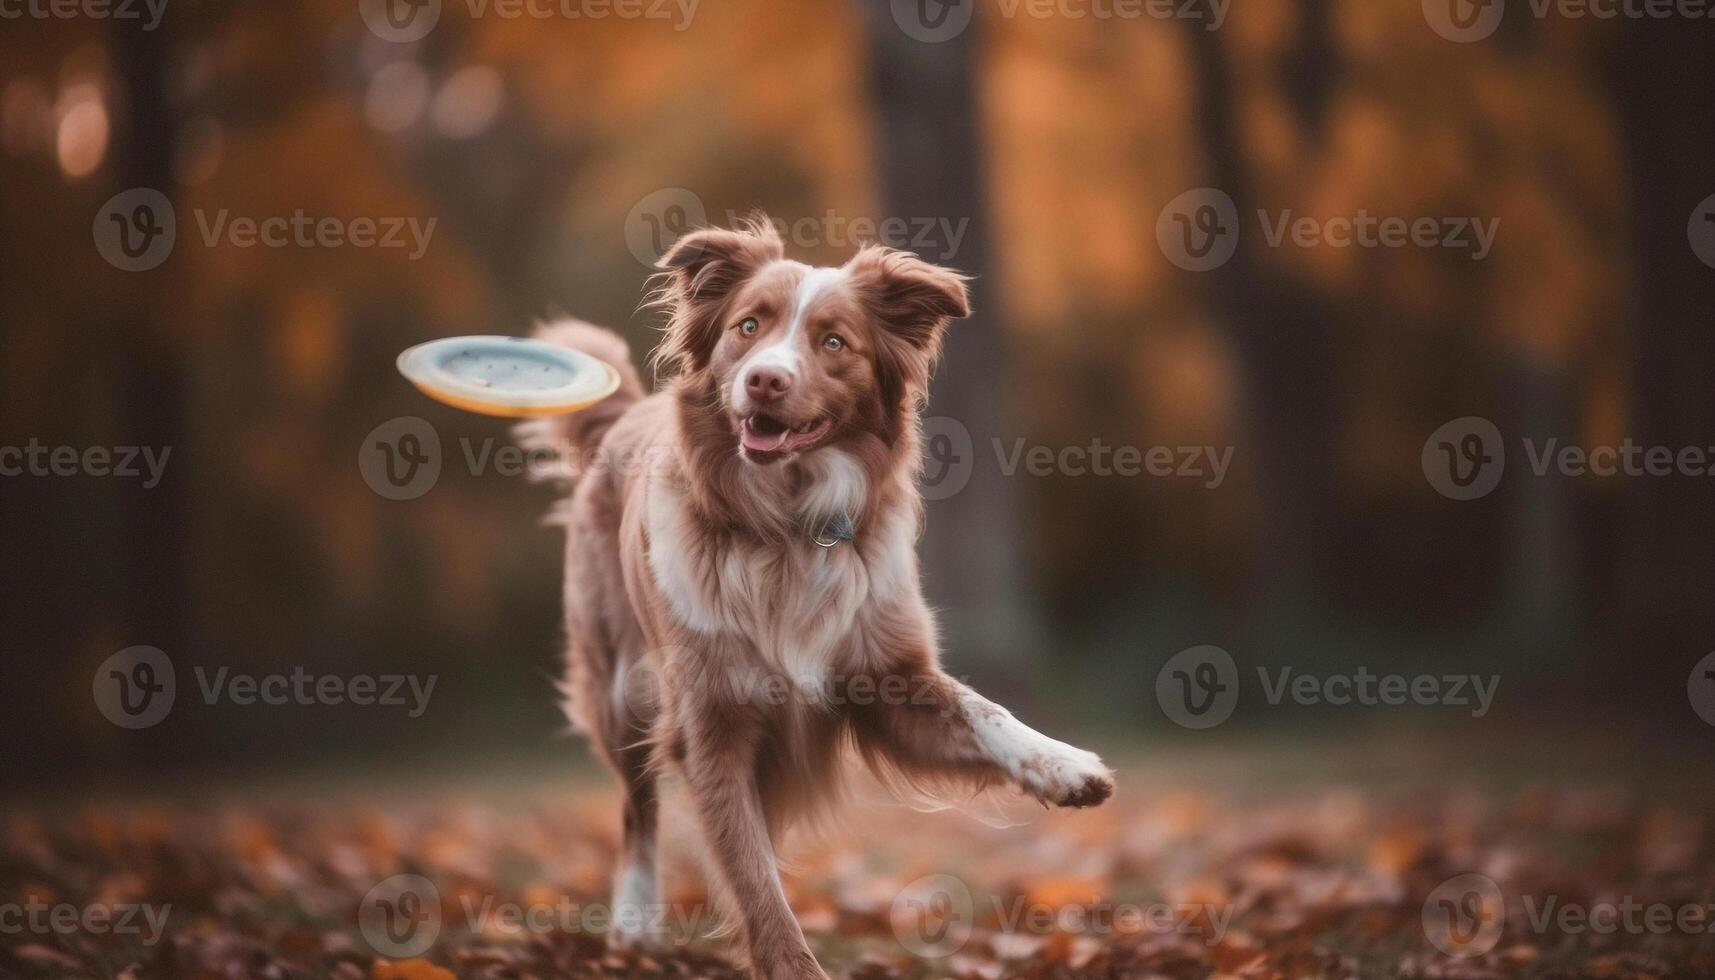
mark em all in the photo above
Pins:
pixel 696 597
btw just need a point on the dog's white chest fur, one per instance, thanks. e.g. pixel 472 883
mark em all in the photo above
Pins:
pixel 793 602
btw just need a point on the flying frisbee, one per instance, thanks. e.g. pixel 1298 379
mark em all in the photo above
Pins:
pixel 512 377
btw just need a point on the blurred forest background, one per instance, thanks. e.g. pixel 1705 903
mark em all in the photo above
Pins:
pixel 1055 143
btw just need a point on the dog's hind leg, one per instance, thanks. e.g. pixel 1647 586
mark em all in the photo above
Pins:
pixel 611 702
pixel 637 912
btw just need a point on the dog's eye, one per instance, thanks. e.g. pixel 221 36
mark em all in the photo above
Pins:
pixel 834 342
pixel 748 326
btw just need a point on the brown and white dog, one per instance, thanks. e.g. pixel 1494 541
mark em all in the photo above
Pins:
pixel 755 520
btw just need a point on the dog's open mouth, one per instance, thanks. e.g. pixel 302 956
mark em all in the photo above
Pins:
pixel 765 435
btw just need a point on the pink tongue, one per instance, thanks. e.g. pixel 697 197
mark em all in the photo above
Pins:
pixel 764 443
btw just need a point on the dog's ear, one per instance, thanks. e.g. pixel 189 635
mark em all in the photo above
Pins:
pixel 911 303
pixel 698 274
pixel 911 298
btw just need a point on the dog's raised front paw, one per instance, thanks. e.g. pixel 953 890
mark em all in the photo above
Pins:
pixel 1066 776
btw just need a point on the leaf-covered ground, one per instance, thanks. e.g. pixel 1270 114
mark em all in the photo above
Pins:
pixel 1245 873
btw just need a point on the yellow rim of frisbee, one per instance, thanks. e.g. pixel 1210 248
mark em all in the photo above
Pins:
pixel 415 365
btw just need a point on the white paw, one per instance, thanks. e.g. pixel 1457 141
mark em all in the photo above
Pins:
pixel 637 919
pixel 636 928
pixel 1060 774
pixel 638 942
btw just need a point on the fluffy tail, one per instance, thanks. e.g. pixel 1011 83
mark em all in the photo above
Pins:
pixel 560 444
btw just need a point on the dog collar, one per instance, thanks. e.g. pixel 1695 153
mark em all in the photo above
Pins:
pixel 839 528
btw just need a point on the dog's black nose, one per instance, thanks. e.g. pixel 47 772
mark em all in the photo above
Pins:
pixel 765 384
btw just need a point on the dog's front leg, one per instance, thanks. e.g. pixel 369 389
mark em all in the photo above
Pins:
pixel 935 725
pixel 1046 768
pixel 721 774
